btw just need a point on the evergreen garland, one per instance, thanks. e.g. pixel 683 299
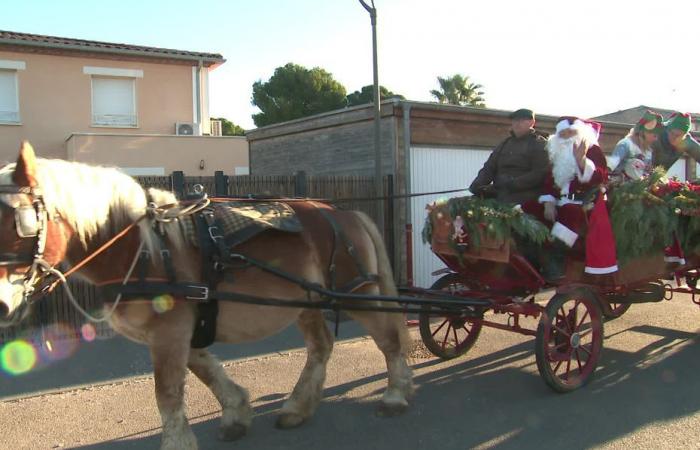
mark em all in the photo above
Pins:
pixel 642 221
pixel 491 219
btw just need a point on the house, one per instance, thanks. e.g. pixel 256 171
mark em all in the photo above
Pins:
pixel 427 147
pixel 143 109
pixel 632 115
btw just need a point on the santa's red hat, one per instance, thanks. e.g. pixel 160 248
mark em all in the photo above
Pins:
pixel 601 254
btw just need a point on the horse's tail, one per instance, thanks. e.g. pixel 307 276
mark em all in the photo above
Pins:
pixel 387 285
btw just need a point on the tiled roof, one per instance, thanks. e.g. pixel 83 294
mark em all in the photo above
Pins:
pixel 38 40
pixel 632 115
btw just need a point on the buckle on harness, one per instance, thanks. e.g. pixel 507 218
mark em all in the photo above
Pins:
pixel 202 295
pixel 214 233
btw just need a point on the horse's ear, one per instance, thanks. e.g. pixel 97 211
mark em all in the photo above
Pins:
pixel 25 171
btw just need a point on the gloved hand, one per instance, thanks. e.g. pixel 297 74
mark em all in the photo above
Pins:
pixel 487 191
pixel 550 211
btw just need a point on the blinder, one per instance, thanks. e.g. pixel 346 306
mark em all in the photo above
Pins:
pixel 27 221
pixel 30 222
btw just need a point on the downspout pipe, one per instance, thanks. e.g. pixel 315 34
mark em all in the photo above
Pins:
pixel 198 89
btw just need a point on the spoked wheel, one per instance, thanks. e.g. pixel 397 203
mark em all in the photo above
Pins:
pixel 452 335
pixel 569 340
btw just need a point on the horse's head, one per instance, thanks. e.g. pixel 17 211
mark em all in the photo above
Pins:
pixel 24 236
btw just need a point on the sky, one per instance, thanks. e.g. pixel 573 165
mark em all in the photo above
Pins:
pixel 560 58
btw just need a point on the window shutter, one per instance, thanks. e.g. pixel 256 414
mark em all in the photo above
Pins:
pixel 9 106
pixel 113 101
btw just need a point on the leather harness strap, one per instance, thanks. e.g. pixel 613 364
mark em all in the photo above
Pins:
pixel 216 256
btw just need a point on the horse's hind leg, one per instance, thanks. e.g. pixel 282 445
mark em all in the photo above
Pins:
pixel 391 336
pixel 236 413
pixel 307 393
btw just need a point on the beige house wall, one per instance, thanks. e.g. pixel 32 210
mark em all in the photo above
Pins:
pixel 55 100
pixel 147 154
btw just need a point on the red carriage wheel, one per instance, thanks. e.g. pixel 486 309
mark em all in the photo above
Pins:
pixel 452 335
pixel 569 340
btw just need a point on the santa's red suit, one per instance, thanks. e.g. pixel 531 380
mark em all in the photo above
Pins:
pixel 574 191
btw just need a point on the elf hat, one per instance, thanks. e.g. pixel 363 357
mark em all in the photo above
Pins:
pixel 651 122
pixel 601 255
pixel 679 121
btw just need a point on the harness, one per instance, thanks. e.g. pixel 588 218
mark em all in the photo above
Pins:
pixel 30 223
pixel 218 257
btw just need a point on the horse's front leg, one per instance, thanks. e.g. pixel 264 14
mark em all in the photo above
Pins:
pixel 236 413
pixel 170 348
pixel 307 393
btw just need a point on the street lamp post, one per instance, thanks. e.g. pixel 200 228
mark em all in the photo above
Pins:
pixel 377 115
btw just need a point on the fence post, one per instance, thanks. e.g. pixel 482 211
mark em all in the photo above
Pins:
pixel 178 183
pixel 220 184
pixel 300 186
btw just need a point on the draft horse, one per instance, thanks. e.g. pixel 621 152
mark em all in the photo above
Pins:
pixel 54 211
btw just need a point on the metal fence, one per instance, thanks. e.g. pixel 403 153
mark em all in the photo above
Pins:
pixel 56 307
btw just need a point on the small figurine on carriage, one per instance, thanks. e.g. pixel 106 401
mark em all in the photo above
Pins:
pixel 615 244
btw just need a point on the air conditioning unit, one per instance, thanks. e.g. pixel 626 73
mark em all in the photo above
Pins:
pixel 187 129
pixel 215 127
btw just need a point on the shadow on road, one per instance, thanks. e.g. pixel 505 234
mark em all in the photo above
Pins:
pixel 486 403
pixel 107 360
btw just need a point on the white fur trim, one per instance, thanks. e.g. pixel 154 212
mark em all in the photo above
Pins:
pixel 566 201
pixel 674 259
pixel 588 170
pixel 601 270
pixel 546 198
pixel 564 234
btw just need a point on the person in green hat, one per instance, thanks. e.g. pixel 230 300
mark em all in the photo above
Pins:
pixel 675 141
pixel 632 157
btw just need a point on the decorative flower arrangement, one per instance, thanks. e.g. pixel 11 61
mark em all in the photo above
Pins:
pixel 472 218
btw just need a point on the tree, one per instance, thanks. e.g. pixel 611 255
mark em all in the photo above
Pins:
pixel 366 95
pixel 458 90
pixel 229 128
pixel 295 91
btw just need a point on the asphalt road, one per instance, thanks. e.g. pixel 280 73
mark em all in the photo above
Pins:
pixel 645 395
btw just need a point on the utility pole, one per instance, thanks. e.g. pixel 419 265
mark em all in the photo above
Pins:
pixel 379 187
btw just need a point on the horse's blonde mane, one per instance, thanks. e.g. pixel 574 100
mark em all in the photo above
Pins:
pixel 95 201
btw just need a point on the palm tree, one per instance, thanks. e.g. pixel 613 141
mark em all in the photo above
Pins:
pixel 458 90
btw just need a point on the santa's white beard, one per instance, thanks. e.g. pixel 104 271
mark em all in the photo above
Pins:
pixel 561 155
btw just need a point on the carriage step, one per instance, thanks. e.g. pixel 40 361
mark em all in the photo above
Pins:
pixel 649 293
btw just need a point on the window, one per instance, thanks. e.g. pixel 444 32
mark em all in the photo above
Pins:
pixel 9 103
pixel 114 101
pixel 113 96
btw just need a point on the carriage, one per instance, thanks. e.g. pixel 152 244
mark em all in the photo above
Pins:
pixel 181 290
pixel 569 313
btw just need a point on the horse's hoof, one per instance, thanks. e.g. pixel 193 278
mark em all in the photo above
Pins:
pixel 232 432
pixel 391 410
pixel 289 420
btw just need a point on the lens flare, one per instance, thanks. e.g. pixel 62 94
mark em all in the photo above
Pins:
pixel 88 332
pixel 58 341
pixel 163 303
pixel 18 357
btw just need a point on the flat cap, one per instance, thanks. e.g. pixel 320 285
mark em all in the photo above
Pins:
pixel 522 113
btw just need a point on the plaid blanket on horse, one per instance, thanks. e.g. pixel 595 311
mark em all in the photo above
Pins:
pixel 240 221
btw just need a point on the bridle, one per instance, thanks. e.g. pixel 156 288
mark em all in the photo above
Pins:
pixel 31 222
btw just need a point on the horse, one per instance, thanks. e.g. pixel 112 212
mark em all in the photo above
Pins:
pixel 55 211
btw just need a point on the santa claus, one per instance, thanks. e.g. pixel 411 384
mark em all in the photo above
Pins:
pixel 573 186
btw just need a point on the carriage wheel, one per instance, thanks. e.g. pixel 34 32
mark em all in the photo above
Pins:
pixel 452 335
pixel 569 340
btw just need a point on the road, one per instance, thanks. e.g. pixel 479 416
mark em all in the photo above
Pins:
pixel 645 395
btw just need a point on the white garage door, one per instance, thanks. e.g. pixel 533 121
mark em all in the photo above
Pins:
pixel 437 169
